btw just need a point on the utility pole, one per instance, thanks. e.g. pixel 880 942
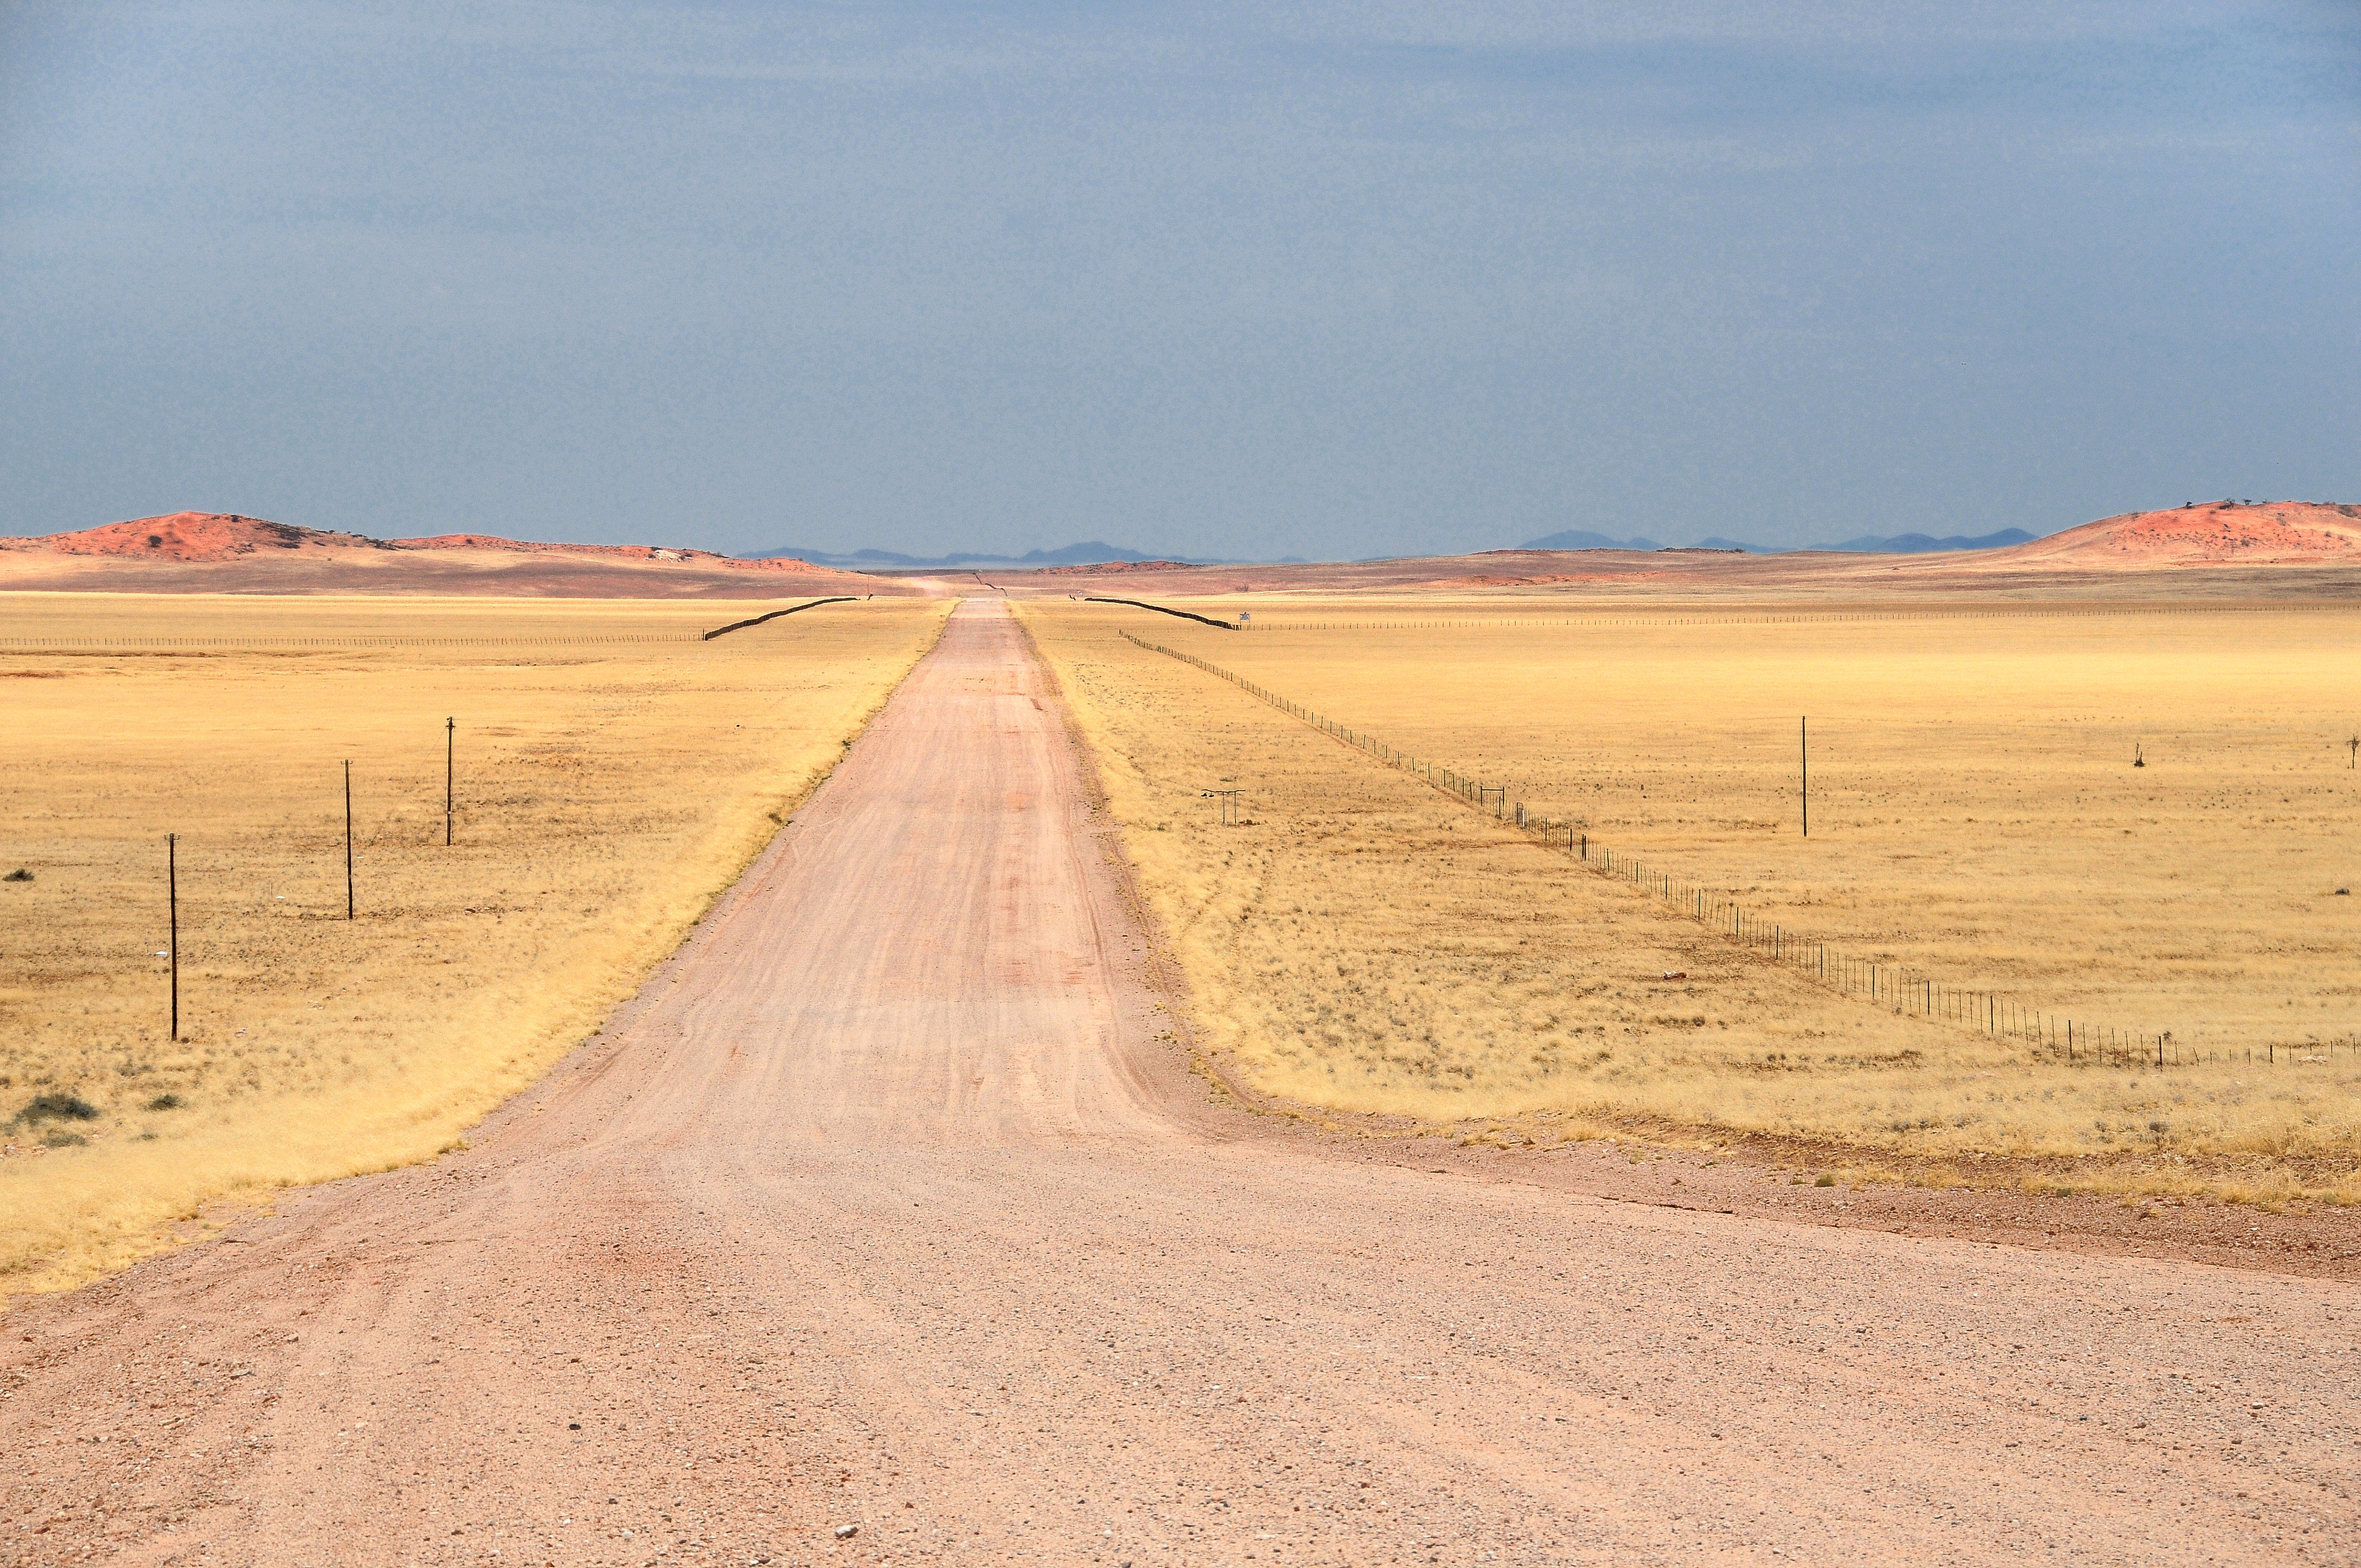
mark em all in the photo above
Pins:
pixel 1804 741
pixel 173 885
pixel 450 743
pixel 348 839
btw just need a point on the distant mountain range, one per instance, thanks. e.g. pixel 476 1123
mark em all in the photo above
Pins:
pixel 1867 544
pixel 1090 551
pixel 1087 554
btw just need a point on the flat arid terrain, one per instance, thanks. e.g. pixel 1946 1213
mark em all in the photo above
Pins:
pixel 1023 1163
pixel 1368 941
pixel 613 771
pixel 888 1224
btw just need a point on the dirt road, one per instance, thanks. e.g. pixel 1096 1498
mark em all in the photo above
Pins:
pixel 885 1208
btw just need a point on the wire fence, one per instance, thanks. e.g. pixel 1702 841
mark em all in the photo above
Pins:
pixel 1905 991
pixel 1703 616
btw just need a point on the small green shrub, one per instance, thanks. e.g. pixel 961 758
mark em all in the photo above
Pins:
pixel 1825 1180
pixel 58 1106
pixel 165 1102
pixel 19 874
pixel 65 1140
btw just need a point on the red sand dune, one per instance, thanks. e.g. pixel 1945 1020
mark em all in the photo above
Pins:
pixel 222 536
pixel 189 536
pixel 191 551
pixel 2208 533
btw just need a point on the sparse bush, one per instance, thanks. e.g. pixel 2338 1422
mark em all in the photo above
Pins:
pixel 1823 1179
pixel 58 1106
pixel 165 1103
pixel 19 874
pixel 62 1139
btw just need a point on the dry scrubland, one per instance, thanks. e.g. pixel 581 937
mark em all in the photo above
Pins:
pixel 1370 944
pixel 614 774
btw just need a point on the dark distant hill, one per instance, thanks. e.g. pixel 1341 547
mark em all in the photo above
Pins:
pixel 1577 539
pixel 1898 544
pixel 1920 544
pixel 1090 552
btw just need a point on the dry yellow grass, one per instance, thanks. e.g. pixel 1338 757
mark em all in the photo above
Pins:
pixel 1370 944
pixel 614 774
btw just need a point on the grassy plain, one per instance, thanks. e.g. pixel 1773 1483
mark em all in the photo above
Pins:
pixel 1370 944
pixel 614 773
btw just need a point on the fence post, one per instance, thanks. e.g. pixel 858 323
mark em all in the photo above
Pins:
pixel 172 886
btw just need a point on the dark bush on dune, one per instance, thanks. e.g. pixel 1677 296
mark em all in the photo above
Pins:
pixel 59 1107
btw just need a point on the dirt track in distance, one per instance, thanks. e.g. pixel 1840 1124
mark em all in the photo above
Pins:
pixel 885 1206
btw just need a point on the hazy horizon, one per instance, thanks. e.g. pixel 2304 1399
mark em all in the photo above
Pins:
pixel 1334 281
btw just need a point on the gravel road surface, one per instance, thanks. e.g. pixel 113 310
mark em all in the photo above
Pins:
pixel 889 1209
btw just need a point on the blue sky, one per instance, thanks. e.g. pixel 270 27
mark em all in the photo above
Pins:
pixel 1327 281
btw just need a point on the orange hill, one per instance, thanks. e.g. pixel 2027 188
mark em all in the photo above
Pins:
pixel 2204 533
pixel 222 536
pixel 189 536
pixel 193 552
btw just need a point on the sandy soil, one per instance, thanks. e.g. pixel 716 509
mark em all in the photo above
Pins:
pixel 886 1207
